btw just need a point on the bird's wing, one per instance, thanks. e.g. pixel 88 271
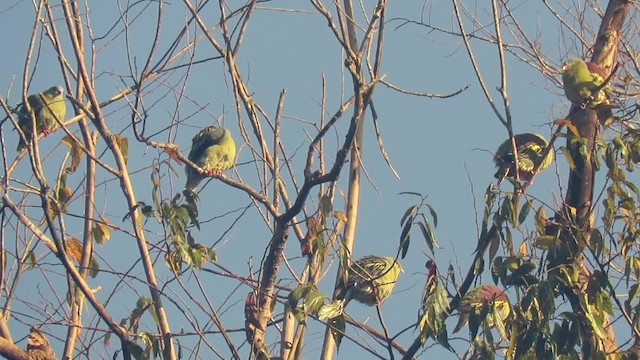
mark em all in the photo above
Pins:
pixel 203 140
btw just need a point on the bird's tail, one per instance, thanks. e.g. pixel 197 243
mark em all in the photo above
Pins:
pixel 501 173
pixel 193 179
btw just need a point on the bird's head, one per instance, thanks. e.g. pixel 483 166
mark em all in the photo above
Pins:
pixel 54 91
pixel 572 64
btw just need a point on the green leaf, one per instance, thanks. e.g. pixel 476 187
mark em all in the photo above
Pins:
pixel 478 267
pixel 297 294
pixel 94 267
pixel 632 186
pixel 451 274
pixel 314 301
pixel 525 340
pixel 326 206
pixel 135 350
pixel 635 151
pixel 31 260
pixel 498 270
pixel 192 210
pixel 63 192
pixel 410 211
pixel 100 232
pixel 428 235
pixel 597 242
pixel 330 311
pixel 524 212
pixel 610 158
pixel 621 146
pixel 489 197
pixel 493 247
pixel 546 300
pixel 541 220
pixel 498 318
pixel 299 315
pixel 434 215
pixel 507 210
pixel 404 236
pixel 568 157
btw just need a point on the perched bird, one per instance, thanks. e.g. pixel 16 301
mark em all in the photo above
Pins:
pixel 476 299
pixel 46 106
pixel 214 150
pixel 38 346
pixel 370 280
pixel 583 84
pixel 530 148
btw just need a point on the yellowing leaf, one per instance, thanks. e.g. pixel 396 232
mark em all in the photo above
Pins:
pixel 65 194
pixel 75 152
pixel 74 249
pixel 325 205
pixel 100 233
pixel 569 124
pixel 340 216
pixel 123 145
pixel 53 210
pixel 544 242
pixel 523 248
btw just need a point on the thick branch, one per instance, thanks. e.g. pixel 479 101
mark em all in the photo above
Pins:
pixel 581 179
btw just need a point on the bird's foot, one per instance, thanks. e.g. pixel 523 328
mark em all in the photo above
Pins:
pixel 46 132
pixel 214 173
pixel 376 293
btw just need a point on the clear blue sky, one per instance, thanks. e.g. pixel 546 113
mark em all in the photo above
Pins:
pixel 440 147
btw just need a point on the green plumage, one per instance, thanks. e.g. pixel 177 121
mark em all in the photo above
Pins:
pixel 370 280
pixel 530 148
pixel 481 296
pixel 582 82
pixel 46 106
pixel 214 150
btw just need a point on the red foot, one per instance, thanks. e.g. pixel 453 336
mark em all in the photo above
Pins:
pixel 376 293
pixel 46 132
pixel 213 173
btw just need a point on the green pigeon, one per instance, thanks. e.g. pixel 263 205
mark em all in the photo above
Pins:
pixel 476 299
pixel 47 107
pixel 530 148
pixel 370 280
pixel 214 150
pixel 582 82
